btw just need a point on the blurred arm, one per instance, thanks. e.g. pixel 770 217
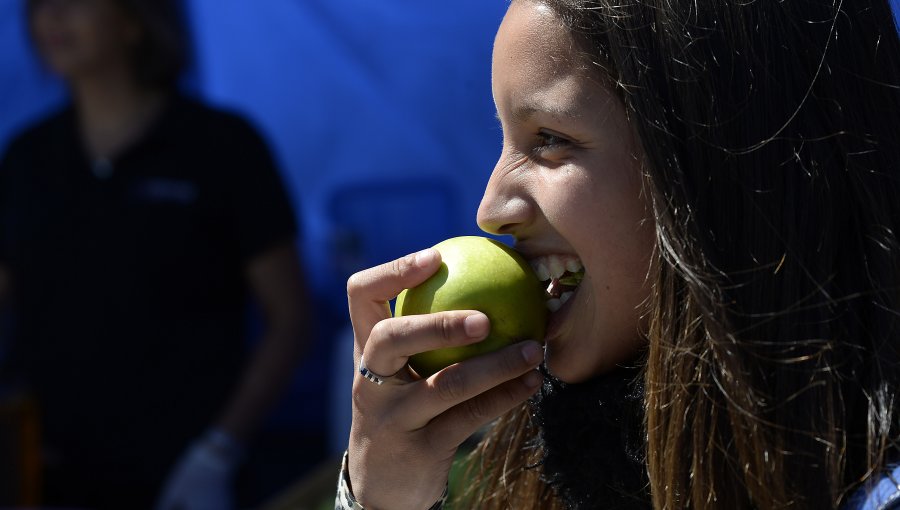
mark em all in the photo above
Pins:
pixel 5 292
pixel 276 280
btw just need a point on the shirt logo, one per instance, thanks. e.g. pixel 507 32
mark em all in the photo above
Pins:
pixel 164 190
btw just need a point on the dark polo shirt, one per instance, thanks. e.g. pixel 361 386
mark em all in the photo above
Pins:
pixel 129 283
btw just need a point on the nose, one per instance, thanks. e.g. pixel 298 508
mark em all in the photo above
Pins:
pixel 506 208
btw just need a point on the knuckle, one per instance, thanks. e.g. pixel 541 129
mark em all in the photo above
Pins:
pixel 383 335
pixel 381 329
pixel 399 268
pixel 512 362
pixel 355 283
pixel 358 397
pixel 446 326
pixel 371 404
pixel 391 328
pixel 395 268
pixel 450 385
pixel 356 391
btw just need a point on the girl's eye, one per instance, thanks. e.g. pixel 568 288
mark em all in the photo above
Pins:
pixel 548 141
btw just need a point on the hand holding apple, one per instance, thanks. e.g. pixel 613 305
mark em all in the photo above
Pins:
pixel 404 437
pixel 481 274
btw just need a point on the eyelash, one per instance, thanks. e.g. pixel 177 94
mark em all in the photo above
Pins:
pixel 550 141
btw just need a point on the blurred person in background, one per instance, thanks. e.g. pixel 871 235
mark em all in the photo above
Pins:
pixel 134 225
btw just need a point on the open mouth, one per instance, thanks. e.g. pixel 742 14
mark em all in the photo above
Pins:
pixel 561 275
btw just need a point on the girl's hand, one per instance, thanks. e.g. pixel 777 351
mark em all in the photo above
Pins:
pixel 404 436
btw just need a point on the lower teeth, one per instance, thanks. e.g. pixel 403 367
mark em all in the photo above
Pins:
pixel 554 304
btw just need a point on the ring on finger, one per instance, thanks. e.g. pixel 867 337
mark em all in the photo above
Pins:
pixel 394 379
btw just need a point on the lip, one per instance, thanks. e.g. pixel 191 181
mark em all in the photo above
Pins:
pixel 532 252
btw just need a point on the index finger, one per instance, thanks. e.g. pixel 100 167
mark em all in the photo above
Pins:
pixel 369 291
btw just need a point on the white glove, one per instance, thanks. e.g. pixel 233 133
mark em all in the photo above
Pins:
pixel 201 479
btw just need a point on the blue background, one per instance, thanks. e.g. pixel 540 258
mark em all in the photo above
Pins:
pixel 379 113
pixel 381 118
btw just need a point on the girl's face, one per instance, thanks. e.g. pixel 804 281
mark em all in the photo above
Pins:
pixel 77 38
pixel 568 187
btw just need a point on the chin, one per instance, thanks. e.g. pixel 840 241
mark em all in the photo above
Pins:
pixel 570 362
pixel 573 354
pixel 570 368
pixel 558 369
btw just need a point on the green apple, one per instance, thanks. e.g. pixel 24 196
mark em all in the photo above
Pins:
pixel 481 274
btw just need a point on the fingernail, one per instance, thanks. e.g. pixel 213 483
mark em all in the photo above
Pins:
pixel 425 257
pixel 533 379
pixel 476 325
pixel 532 352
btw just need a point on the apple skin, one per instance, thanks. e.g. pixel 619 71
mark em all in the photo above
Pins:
pixel 481 274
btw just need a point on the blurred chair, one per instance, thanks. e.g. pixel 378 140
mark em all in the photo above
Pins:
pixel 20 452
pixel 377 221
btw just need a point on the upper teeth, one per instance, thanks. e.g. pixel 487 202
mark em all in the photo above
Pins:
pixel 542 273
pixel 554 266
pixel 557 267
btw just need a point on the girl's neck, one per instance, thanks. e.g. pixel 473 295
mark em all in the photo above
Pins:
pixel 114 110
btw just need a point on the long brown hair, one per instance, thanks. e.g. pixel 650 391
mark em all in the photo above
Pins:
pixel 503 470
pixel 772 137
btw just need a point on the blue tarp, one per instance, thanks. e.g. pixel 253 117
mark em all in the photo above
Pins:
pixel 380 114
pixel 348 92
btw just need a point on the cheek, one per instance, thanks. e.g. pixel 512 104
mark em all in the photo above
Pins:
pixel 615 243
pixel 610 220
pixel 570 200
pixel 619 260
pixel 606 332
pixel 580 352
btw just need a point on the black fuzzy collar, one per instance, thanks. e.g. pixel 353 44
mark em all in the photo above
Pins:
pixel 592 437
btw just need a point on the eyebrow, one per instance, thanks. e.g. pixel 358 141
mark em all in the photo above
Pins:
pixel 522 113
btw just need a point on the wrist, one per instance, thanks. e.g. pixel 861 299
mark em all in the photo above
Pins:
pixel 346 500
